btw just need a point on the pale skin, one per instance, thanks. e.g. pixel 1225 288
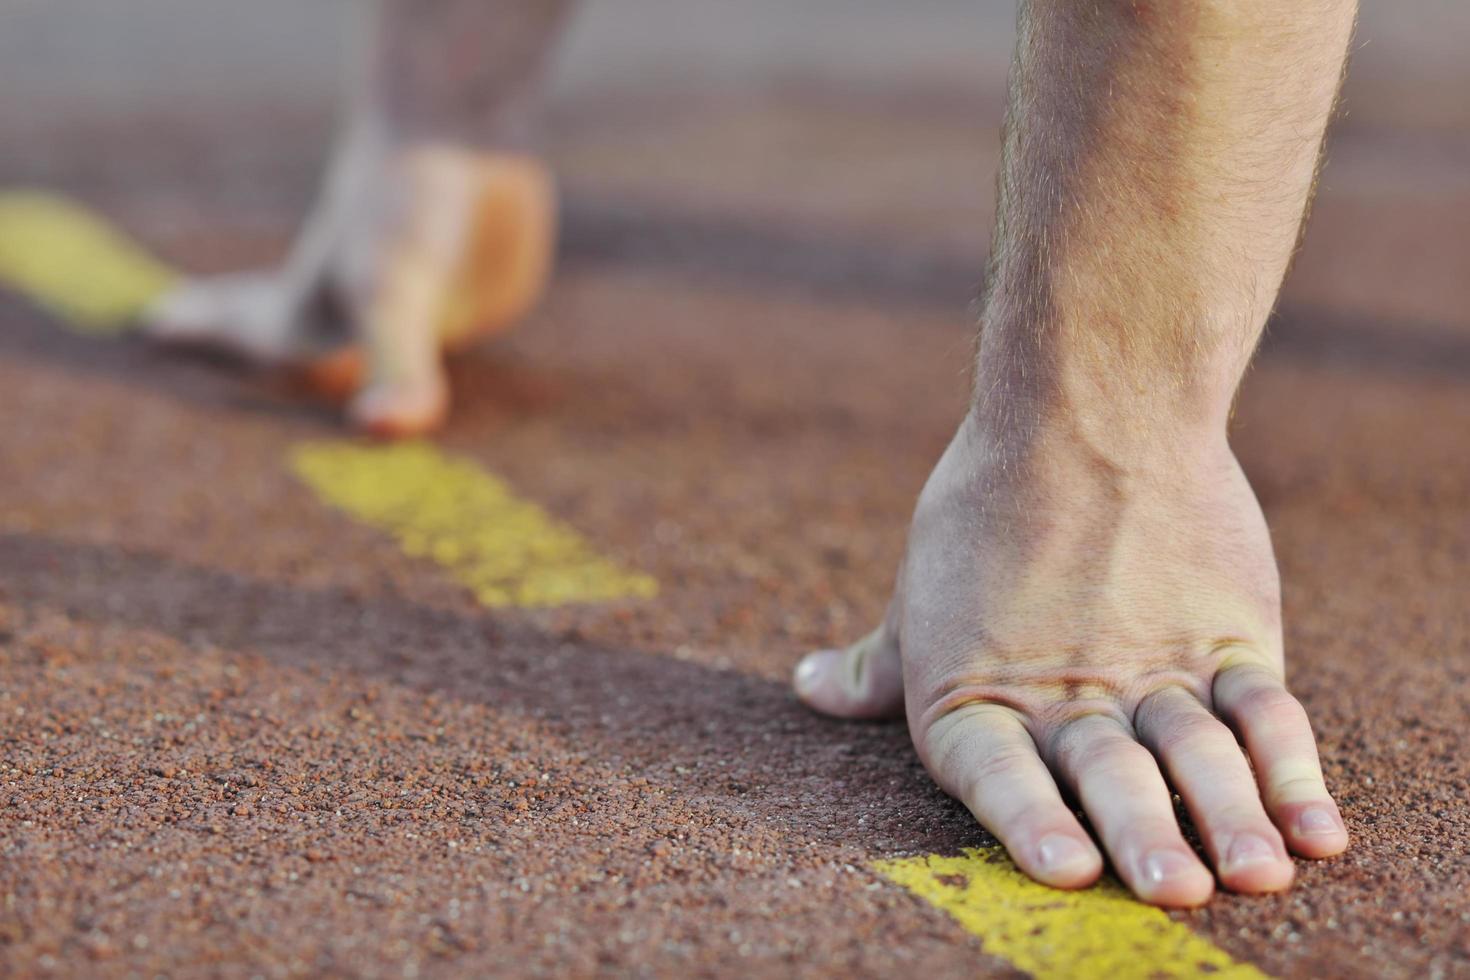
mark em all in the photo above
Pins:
pixel 436 225
pixel 1089 608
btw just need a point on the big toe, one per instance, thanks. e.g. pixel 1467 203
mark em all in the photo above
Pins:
pixel 863 681
pixel 399 410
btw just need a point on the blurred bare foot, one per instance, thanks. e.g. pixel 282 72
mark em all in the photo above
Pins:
pixel 414 251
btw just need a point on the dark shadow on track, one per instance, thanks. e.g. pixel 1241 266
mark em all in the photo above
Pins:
pixel 725 252
pixel 739 743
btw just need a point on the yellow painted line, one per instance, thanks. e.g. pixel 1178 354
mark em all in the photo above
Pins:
pixel 66 259
pixel 1100 932
pixel 506 550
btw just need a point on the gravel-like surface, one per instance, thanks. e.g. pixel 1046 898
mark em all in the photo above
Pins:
pixel 240 735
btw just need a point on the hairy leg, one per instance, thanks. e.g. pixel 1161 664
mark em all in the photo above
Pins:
pixel 435 225
pixel 1089 608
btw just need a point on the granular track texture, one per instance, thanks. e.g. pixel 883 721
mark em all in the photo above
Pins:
pixel 242 734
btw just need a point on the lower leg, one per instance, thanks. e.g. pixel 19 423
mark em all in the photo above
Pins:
pixel 462 72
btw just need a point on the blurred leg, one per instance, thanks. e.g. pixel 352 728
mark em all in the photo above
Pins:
pixel 435 225
pixel 464 72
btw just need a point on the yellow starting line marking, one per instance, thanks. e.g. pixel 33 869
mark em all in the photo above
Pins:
pixel 67 260
pixel 508 551
pixel 1101 932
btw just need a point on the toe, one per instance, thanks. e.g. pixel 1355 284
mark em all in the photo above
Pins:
pixel 400 410
pixel 863 681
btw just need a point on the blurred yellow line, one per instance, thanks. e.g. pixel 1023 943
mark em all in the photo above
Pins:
pixel 508 551
pixel 66 259
pixel 1059 935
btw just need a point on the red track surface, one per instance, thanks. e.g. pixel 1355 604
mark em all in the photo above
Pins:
pixel 241 734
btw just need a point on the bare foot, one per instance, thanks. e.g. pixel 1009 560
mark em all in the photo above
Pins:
pixel 465 258
pixel 1068 623
pixel 414 251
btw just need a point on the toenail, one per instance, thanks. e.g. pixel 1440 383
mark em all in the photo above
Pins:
pixel 805 678
pixel 1058 852
pixel 1160 866
pixel 1316 821
pixel 1248 849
